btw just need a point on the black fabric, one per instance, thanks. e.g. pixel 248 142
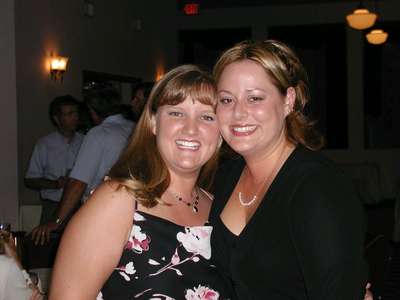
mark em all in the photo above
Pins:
pixel 305 241
pixel 166 262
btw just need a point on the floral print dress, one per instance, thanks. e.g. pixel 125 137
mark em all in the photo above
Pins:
pixel 166 261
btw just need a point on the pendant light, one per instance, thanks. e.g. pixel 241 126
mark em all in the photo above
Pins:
pixel 361 18
pixel 377 36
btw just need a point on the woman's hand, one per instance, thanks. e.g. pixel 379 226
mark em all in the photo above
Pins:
pixel 9 245
pixel 36 294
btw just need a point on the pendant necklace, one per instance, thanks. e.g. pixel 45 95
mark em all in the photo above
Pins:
pixel 193 203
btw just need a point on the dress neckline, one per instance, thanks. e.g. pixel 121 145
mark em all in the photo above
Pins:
pixel 160 219
pixel 264 202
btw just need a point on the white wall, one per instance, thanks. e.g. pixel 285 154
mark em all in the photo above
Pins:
pixel 8 120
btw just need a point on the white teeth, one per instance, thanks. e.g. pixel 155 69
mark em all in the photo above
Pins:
pixel 187 144
pixel 244 128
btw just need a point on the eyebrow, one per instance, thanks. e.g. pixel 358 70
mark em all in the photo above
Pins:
pixel 255 89
pixel 224 91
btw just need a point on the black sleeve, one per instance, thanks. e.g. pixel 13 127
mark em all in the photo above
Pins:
pixel 327 228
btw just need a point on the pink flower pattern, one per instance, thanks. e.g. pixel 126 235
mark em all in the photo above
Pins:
pixel 201 293
pixel 193 243
pixel 195 240
pixel 138 241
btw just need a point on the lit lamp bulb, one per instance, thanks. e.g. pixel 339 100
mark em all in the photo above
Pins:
pixel 377 36
pixel 58 66
pixel 361 18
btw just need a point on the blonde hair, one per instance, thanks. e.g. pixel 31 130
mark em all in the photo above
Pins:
pixel 285 70
pixel 140 168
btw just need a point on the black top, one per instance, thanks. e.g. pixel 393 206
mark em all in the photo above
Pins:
pixel 305 240
pixel 163 260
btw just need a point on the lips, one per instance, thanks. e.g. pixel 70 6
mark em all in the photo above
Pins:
pixel 187 144
pixel 243 130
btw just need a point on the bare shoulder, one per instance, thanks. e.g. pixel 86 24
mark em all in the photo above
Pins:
pixel 111 193
pixel 110 205
pixel 95 235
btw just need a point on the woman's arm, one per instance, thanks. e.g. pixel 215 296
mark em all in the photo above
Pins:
pixel 327 226
pixel 92 244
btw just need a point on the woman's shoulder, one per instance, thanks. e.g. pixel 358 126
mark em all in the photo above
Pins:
pixel 109 194
pixel 315 178
pixel 308 161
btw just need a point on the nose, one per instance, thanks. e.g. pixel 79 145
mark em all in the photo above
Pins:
pixel 240 110
pixel 190 126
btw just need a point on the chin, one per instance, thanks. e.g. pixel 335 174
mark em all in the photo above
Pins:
pixel 189 167
pixel 241 148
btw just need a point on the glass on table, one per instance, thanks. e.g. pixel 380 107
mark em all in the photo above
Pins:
pixel 5 234
pixel 5 226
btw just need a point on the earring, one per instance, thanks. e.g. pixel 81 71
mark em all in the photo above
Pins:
pixel 220 141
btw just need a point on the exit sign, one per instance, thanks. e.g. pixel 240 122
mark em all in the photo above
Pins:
pixel 191 9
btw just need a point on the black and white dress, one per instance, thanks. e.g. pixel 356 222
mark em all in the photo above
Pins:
pixel 163 260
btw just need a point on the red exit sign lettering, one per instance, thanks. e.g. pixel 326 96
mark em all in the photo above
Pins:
pixel 191 9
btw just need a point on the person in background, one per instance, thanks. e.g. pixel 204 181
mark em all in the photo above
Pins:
pixel 140 95
pixel 287 223
pixel 100 149
pixel 144 234
pixel 15 283
pixel 54 155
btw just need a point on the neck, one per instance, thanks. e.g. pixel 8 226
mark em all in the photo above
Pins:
pixel 182 186
pixel 68 134
pixel 272 159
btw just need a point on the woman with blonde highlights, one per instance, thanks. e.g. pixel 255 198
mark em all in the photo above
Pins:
pixel 143 234
pixel 287 224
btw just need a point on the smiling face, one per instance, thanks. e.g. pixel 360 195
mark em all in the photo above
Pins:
pixel 187 135
pixel 251 111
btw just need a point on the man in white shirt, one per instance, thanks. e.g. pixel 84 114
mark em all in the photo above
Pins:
pixel 54 155
pixel 99 151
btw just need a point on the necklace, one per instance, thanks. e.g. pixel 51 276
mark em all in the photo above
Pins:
pixel 193 203
pixel 243 203
pixel 254 198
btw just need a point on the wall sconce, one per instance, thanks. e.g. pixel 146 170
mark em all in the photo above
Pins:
pixel 160 71
pixel 377 36
pixel 58 66
pixel 361 18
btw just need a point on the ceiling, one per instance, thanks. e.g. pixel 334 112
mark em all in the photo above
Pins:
pixel 204 4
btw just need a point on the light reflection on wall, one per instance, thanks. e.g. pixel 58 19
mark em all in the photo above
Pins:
pixel 160 71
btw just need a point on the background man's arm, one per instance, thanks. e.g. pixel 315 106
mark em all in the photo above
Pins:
pixel 42 183
pixel 73 193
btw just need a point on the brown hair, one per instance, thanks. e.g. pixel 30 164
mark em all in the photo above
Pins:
pixel 285 69
pixel 140 168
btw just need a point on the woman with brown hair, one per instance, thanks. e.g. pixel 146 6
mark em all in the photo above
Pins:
pixel 143 234
pixel 287 224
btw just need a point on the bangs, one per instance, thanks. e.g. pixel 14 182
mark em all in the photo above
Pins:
pixel 192 85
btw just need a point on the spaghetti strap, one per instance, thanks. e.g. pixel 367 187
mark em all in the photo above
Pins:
pixel 208 194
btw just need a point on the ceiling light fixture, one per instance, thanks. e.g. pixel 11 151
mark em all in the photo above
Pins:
pixel 361 18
